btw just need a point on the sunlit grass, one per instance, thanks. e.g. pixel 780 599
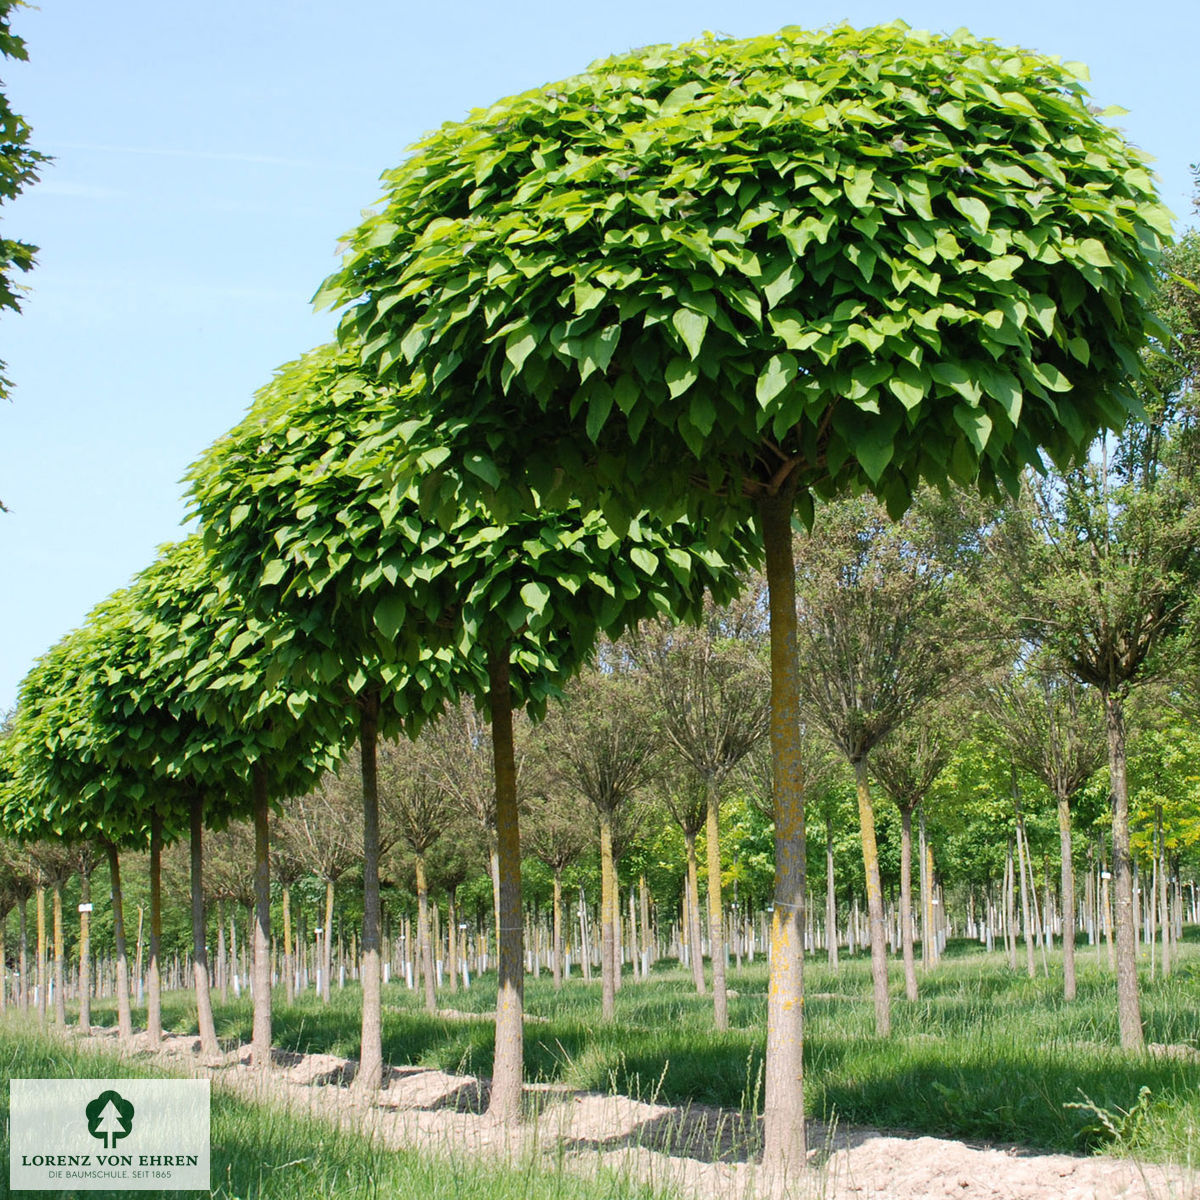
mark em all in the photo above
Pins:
pixel 984 1053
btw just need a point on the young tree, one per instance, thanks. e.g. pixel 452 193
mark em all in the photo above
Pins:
pixel 732 275
pixel 1050 726
pixel 604 745
pixel 881 618
pixel 709 685
pixel 907 764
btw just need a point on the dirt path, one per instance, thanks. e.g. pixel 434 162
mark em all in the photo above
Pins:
pixel 703 1152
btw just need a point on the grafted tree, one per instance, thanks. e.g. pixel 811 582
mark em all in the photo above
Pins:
pixel 448 600
pixel 732 275
pixel 881 614
pixel 710 687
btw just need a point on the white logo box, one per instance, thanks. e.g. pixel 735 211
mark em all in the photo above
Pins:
pixel 108 1134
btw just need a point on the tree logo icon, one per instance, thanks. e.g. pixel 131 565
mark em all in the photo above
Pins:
pixel 109 1117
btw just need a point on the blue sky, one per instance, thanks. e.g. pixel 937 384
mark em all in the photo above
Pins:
pixel 207 158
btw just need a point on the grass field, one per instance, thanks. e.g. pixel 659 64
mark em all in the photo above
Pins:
pixel 264 1152
pixel 986 1053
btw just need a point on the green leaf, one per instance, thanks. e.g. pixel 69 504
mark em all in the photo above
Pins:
pixel 482 466
pixel 691 326
pixel 519 345
pixel 644 559
pixel 858 188
pixel 976 424
pixel 389 616
pixel 680 375
pixel 535 595
pixel 1093 252
pixel 974 210
pixel 781 370
pixel 907 390
pixel 1051 377
pixel 273 573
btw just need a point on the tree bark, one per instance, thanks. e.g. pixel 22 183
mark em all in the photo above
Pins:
pixel 783 1116
pixel 23 927
pixel 1129 1011
pixel 424 940
pixel 453 950
pixel 204 1009
pixel 879 967
pixel 831 929
pixel 41 953
pixel 260 1044
pixel 906 912
pixel 124 1014
pixel 716 915
pixel 1026 915
pixel 557 965
pixel 644 919
pixel 369 1077
pixel 154 975
pixel 695 952
pixel 85 952
pixel 508 1065
pixel 289 980
pixel 60 998
pixel 327 945
pixel 608 987
pixel 1068 896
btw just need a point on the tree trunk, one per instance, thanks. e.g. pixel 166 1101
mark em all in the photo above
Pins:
pixel 1164 902
pixel 260 1044
pixel 716 915
pixel 644 920
pixel 453 950
pixel 906 916
pixel 124 1015
pixel 608 989
pixel 369 1077
pixel 508 1065
pixel 1068 896
pixel 557 965
pixel 289 980
pixel 41 953
pixel 23 926
pixel 60 997
pixel 695 953
pixel 831 929
pixel 783 1115
pixel 1129 1012
pixel 204 1010
pixel 1026 917
pixel 154 982
pixel 879 966
pixel 495 861
pixel 327 946
pixel 424 940
pixel 85 951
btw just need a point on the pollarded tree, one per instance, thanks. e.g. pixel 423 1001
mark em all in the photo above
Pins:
pixel 1052 727
pixel 556 831
pixel 881 606
pixel 709 684
pixel 685 797
pixel 396 601
pixel 323 830
pixel 907 764
pixel 732 275
pixel 603 742
pixel 415 804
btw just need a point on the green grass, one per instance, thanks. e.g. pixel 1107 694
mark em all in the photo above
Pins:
pixel 264 1152
pixel 985 1053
